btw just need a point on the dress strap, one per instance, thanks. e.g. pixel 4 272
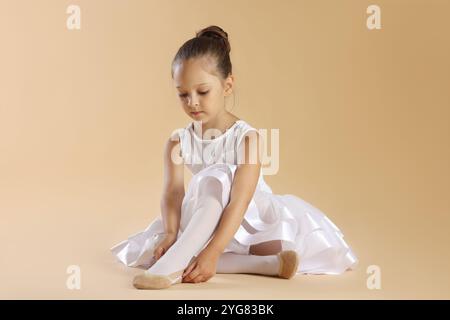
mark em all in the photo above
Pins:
pixel 180 134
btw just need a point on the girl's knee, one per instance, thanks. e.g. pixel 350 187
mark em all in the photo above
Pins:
pixel 210 186
pixel 266 248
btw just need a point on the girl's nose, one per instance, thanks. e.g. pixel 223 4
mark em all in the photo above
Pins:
pixel 192 102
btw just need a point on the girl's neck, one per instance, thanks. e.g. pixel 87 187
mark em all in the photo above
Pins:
pixel 222 122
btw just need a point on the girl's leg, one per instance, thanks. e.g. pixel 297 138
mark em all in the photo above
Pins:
pixel 266 248
pixel 230 262
pixel 260 258
pixel 197 232
pixel 265 258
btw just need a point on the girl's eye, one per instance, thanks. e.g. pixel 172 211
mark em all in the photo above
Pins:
pixel 182 95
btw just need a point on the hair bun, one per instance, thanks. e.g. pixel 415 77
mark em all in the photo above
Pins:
pixel 215 32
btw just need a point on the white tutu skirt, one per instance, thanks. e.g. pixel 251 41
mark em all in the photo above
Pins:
pixel 299 225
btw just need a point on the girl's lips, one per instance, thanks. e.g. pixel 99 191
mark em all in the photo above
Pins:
pixel 197 113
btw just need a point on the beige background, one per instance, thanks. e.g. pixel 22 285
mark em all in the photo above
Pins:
pixel 364 136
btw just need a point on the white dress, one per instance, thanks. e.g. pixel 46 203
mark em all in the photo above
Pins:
pixel 299 225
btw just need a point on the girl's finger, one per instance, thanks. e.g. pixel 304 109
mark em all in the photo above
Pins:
pixel 193 274
pixel 189 268
pixel 198 279
pixel 157 253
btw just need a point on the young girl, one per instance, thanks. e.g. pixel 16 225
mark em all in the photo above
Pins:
pixel 228 221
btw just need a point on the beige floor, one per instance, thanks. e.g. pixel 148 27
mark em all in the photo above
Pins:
pixel 79 229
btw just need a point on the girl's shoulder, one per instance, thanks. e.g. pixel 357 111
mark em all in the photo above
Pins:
pixel 177 134
pixel 244 129
pixel 244 125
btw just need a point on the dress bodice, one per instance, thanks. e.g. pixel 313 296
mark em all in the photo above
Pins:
pixel 226 148
pixel 199 153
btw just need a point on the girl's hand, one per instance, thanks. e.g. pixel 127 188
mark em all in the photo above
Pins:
pixel 202 268
pixel 164 245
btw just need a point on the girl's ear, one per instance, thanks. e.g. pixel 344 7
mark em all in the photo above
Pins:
pixel 229 85
pixel 228 90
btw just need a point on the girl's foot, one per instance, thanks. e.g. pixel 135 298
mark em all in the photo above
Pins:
pixel 149 280
pixel 156 281
pixel 289 261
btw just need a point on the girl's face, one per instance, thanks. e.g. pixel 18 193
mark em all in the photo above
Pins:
pixel 201 92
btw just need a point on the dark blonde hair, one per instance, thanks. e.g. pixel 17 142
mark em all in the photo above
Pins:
pixel 211 41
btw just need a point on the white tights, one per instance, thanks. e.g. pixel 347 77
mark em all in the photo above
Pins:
pixel 198 227
pixel 201 224
pixel 230 262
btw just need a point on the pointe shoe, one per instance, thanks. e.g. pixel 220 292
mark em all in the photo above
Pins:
pixel 156 281
pixel 289 261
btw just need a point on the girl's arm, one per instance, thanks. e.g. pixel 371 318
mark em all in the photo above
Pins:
pixel 173 188
pixel 242 190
